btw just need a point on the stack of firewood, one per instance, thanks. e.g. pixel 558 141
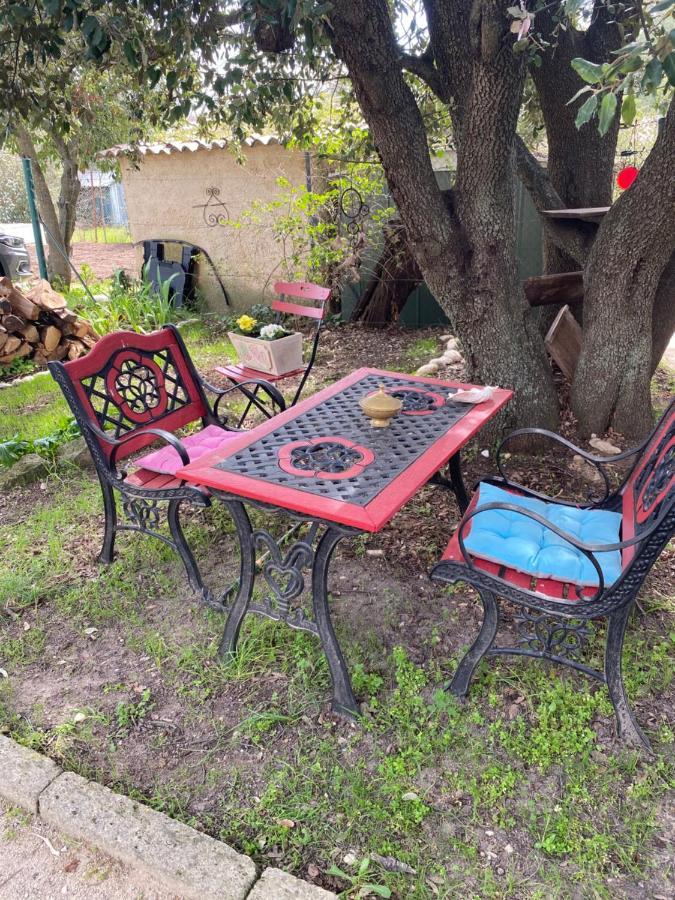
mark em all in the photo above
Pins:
pixel 36 323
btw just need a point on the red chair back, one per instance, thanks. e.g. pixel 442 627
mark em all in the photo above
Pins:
pixel 650 488
pixel 302 290
pixel 130 381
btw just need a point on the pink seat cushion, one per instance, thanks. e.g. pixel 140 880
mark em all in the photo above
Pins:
pixel 167 461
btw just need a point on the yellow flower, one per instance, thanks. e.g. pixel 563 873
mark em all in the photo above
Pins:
pixel 246 323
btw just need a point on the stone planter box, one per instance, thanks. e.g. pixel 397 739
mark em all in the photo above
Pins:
pixel 272 357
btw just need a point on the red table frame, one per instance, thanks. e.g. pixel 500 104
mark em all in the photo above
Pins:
pixel 284 568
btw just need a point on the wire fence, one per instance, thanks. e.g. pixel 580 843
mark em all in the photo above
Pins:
pixel 101 215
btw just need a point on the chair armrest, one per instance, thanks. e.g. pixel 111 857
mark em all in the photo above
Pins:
pixel 589 550
pixel 118 443
pixel 593 459
pixel 276 397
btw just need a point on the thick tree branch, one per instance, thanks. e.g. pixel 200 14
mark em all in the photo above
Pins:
pixel 573 238
pixel 423 66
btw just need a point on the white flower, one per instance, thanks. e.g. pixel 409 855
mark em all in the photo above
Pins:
pixel 272 332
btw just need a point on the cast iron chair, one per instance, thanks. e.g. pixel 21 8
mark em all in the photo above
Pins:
pixel 555 622
pixel 317 310
pixel 130 391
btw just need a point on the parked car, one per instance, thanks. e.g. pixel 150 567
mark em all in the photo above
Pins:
pixel 14 258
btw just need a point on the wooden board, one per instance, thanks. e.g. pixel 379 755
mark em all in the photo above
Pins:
pixel 587 214
pixel 545 290
pixel 563 342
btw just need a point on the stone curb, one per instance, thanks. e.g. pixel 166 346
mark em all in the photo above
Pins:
pixel 179 858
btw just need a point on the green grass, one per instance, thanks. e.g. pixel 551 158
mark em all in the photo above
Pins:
pixel 421 779
pixel 112 234
pixel 32 408
pixel 124 662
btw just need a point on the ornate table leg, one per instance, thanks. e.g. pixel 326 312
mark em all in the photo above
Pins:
pixel 344 701
pixel 235 617
pixel 455 483
pixel 283 575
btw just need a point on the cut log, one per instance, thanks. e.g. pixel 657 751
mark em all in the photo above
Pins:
pixel 60 353
pixel 12 343
pixel 76 349
pixel 30 333
pixel 12 322
pixel 18 302
pixel 563 342
pixel 23 349
pixel 3 339
pixel 564 287
pixel 42 293
pixel 50 336
pixel 64 315
pixel 5 306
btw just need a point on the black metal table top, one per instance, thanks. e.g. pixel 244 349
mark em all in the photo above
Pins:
pixel 319 462
pixel 323 457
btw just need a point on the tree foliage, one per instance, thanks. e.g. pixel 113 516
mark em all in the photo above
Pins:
pixel 421 72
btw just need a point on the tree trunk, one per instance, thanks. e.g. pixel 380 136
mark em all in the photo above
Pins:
pixel 57 266
pixel 580 161
pixel 663 315
pixel 466 255
pixel 634 246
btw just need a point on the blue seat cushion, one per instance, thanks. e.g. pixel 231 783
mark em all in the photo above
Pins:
pixel 510 539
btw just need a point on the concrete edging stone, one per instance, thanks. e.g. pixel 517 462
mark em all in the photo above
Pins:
pixel 179 858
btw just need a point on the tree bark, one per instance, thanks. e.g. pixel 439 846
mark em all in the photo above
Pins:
pixel 466 254
pixel 634 246
pixel 57 225
pixel 580 161
pixel 663 315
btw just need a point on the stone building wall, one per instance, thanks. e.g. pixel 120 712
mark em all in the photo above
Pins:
pixel 171 195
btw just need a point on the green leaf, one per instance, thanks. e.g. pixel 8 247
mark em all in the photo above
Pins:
pixel 669 67
pixel 380 889
pixel 586 111
pixel 653 73
pixel 607 111
pixel 628 109
pixel 588 71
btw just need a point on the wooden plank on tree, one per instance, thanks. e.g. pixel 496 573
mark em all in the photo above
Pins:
pixel 563 287
pixel 563 342
pixel 586 214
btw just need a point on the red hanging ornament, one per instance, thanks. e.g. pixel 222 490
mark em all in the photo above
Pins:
pixel 626 177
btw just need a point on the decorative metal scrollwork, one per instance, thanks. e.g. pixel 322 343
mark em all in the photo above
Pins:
pixel 566 638
pixel 144 514
pixel 285 579
pixel 353 210
pixel 214 211
pixel 137 384
pixel 417 400
pixel 327 456
pixel 660 479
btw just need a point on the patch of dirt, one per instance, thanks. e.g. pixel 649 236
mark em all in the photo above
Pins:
pixel 104 259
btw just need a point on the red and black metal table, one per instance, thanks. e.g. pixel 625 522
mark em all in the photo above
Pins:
pixel 322 463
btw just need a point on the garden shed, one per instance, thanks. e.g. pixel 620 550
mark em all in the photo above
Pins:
pixel 194 191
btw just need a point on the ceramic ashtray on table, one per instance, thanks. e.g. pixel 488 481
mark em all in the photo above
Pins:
pixel 473 395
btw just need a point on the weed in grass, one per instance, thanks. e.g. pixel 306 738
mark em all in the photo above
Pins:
pixel 129 713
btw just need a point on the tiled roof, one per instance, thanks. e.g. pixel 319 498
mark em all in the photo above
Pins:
pixel 159 147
